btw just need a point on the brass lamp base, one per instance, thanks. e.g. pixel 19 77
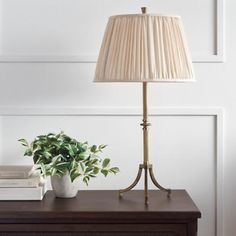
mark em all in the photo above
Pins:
pixel 147 168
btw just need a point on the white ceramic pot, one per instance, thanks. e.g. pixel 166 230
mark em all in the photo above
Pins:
pixel 63 187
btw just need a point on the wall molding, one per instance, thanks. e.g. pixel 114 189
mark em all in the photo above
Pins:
pixel 216 112
pixel 108 111
pixel 220 31
pixel 217 56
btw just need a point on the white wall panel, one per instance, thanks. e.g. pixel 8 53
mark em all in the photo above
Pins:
pixel 183 147
pixel 72 30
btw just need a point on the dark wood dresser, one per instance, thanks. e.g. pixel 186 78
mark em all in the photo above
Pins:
pixel 101 213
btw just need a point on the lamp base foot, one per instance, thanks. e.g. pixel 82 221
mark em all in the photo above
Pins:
pixel 148 168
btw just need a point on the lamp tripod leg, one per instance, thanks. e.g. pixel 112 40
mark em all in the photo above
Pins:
pixel 146 168
pixel 121 191
pixel 156 183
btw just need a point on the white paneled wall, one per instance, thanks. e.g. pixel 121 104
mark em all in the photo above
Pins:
pixel 185 147
pixel 61 24
pixel 38 94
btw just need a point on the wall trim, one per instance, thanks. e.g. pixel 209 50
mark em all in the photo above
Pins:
pixel 217 56
pixel 216 112
pixel 108 111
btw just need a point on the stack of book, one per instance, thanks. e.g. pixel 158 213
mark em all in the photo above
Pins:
pixel 20 183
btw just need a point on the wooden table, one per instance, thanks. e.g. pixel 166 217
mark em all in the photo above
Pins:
pixel 101 213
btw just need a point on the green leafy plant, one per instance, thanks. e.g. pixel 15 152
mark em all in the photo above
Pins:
pixel 59 154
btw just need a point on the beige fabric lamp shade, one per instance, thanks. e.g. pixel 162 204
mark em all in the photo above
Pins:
pixel 144 48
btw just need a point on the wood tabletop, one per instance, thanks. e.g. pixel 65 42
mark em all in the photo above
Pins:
pixel 101 205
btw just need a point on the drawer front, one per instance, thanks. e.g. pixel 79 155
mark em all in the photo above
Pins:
pixel 93 230
pixel 89 234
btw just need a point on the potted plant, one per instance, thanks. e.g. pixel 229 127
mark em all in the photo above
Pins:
pixel 67 160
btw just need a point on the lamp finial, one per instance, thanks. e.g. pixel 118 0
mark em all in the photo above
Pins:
pixel 144 10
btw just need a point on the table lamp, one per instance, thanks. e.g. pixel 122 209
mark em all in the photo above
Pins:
pixel 144 48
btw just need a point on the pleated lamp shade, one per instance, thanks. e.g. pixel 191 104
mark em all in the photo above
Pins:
pixel 144 48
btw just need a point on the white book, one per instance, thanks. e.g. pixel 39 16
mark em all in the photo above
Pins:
pixel 15 172
pixel 31 182
pixel 22 194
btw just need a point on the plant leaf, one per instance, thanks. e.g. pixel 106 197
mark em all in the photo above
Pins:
pixel 28 152
pixel 105 162
pixel 102 146
pixel 114 170
pixel 94 148
pixel 88 169
pixel 95 170
pixel 74 175
pixel 92 176
pixel 24 142
pixel 104 172
pixel 43 170
pixel 86 179
pixel 50 134
pixel 47 154
pixel 84 155
pixel 82 166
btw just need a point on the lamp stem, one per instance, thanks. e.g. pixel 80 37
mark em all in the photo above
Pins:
pixel 145 125
pixel 145 133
